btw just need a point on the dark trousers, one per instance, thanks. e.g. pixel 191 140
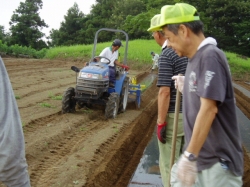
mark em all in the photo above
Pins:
pixel 112 74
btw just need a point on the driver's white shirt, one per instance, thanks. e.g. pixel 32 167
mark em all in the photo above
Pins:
pixel 107 52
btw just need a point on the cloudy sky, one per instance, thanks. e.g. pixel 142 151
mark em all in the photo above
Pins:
pixel 52 13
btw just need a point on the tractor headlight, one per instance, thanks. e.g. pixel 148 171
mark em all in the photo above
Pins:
pixel 90 75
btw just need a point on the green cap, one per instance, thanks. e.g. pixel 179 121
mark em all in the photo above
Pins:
pixel 178 13
pixel 155 21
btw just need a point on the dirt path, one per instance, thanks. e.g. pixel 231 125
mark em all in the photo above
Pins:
pixel 81 149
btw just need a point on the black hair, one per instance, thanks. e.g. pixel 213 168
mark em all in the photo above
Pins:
pixel 196 27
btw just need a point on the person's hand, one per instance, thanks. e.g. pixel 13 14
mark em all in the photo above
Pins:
pixel 125 67
pixel 186 171
pixel 161 132
pixel 179 82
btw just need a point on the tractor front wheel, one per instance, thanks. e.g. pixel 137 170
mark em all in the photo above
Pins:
pixel 68 101
pixel 112 105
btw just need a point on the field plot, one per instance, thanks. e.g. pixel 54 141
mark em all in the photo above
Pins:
pixel 79 149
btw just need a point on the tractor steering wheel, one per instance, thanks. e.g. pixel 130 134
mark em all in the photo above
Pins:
pixel 105 58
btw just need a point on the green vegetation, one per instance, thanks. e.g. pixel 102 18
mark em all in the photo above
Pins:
pixel 55 97
pixel 138 52
pixel 25 25
pixel 17 97
pixel 239 66
pixel 19 51
pixel 138 56
pixel 115 127
pixel 46 105
pixel 225 20
pixel 88 111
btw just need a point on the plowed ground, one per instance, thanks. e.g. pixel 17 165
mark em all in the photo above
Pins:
pixel 81 149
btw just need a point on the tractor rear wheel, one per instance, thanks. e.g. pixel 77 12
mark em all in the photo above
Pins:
pixel 68 101
pixel 111 108
pixel 124 96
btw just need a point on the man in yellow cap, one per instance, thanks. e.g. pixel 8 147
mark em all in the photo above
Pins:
pixel 169 64
pixel 213 151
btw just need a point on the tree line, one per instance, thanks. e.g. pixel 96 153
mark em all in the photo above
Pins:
pixel 225 20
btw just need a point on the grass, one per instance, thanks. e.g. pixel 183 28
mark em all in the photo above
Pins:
pixel 17 97
pixel 138 52
pixel 139 56
pixel 115 127
pixel 240 67
pixel 46 105
pixel 87 111
pixel 55 97
pixel 83 129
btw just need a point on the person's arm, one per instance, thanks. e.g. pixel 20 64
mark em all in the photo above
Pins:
pixel 187 169
pixel 103 54
pixel 121 65
pixel 118 63
pixel 163 103
pixel 203 123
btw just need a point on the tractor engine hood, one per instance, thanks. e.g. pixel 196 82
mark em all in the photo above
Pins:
pixel 96 71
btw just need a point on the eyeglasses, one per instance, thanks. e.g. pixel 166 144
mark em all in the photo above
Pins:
pixel 153 33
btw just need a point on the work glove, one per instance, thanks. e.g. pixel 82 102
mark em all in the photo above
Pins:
pixel 125 67
pixel 186 171
pixel 179 82
pixel 161 132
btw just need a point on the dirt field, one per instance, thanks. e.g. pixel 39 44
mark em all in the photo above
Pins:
pixel 82 149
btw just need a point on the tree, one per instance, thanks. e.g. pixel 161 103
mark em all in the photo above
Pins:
pixel 124 8
pixel 136 26
pixel 228 22
pixel 101 14
pixel 2 32
pixel 25 24
pixel 71 26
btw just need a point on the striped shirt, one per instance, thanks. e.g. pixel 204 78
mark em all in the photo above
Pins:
pixel 170 64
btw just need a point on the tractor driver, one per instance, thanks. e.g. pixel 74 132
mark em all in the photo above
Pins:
pixel 112 54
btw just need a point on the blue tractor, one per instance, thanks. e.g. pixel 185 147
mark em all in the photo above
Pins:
pixel 92 85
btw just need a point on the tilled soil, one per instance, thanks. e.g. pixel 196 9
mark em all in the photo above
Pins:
pixel 80 149
pixel 243 102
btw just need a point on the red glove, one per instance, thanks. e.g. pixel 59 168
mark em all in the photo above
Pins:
pixel 161 132
pixel 125 67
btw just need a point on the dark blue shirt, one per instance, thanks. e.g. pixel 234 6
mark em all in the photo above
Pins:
pixel 170 64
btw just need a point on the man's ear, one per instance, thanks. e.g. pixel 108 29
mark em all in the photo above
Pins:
pixel 183 30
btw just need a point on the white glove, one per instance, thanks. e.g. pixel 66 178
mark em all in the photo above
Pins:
pixel 179 82
pixel 186 171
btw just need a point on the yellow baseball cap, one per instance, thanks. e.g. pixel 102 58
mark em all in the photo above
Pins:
pixel 155 21
pixel 178 13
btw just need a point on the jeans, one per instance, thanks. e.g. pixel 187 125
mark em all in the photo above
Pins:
pixel 112 74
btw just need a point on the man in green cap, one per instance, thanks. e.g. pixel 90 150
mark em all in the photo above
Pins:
pixel 213 151
pixel 170 64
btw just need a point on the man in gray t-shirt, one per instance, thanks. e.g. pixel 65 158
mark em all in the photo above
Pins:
pixel 213 152
pixel 13 166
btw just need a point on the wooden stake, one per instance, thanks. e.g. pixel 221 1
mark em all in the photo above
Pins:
pixel 176 118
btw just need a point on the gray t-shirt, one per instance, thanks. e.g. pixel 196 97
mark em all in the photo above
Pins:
pixel 208 76
pixel 13 166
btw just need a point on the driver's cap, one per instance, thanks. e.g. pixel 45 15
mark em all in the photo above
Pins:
pixel 117 42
